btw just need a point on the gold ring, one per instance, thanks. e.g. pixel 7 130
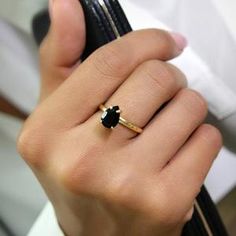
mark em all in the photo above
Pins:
pixel 111 118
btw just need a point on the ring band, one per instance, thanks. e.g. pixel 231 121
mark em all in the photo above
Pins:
pixel 111 118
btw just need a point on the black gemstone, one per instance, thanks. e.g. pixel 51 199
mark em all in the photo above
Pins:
pixel 110 117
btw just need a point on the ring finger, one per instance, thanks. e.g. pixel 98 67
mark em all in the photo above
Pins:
pixel 151 85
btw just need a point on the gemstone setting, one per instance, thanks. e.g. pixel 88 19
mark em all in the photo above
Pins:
pixel 111 117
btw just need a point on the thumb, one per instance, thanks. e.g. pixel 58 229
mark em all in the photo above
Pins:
pixel 63 46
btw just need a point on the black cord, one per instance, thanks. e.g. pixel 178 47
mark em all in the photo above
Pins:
pixel 5 228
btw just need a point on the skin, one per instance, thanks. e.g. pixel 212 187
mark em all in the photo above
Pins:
pixel 115 182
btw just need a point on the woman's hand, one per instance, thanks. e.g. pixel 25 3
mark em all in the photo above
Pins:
pixel 115 182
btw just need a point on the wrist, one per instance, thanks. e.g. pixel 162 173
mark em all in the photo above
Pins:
pixel 85 219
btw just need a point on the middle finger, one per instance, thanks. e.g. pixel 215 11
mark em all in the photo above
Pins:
pixel 169 129
pixel 151 85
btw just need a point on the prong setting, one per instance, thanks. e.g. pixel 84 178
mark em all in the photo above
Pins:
pixel 111 117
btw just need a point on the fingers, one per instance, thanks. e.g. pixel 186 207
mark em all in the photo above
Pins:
pixel 170 129
pixel 64 44
pixel 67 32
pixel 151 85
pixel 189 215
pixel 105 70
pixel 171 195
pixel 185 174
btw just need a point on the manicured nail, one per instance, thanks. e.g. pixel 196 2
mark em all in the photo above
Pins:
pixel 180 40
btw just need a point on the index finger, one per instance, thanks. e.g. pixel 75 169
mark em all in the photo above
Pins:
pixel 105 70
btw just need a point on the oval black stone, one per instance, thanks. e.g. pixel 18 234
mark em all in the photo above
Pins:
pixel 110 117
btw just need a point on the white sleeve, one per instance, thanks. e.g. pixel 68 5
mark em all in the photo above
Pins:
pixel 20 82
pixel 46 224
pixel 220 97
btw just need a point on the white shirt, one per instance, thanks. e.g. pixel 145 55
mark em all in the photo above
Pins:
pixel 208 64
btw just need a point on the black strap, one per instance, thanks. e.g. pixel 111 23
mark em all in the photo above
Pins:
pixel 196 227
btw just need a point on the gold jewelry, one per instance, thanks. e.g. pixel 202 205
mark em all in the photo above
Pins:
pixel 111 118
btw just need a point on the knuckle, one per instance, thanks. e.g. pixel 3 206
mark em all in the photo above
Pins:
pixel 194 102
pixel 161 75
pixel 179 75
pixel 168 216
pixel 109 61
pixel 34 141
pixel 120 190
pixel 166 45
pixel 72 178
pixel 80 173
pixel 22 143
pixel 212 135
pixel 30 146
pixel 168 213
pixel 189 215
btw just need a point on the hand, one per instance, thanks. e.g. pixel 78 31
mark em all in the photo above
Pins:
pixel 115 182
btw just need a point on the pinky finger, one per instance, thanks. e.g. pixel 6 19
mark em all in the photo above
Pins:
pixel 186 173
pixel 189 215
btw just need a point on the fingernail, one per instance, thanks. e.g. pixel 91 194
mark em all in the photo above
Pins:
pixel 50 7
pixel 180 40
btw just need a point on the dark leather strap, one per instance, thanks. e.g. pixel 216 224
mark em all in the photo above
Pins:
pixel 196 228
pixel 10 109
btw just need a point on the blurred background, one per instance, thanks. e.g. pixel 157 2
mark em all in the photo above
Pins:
pixel 21 197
